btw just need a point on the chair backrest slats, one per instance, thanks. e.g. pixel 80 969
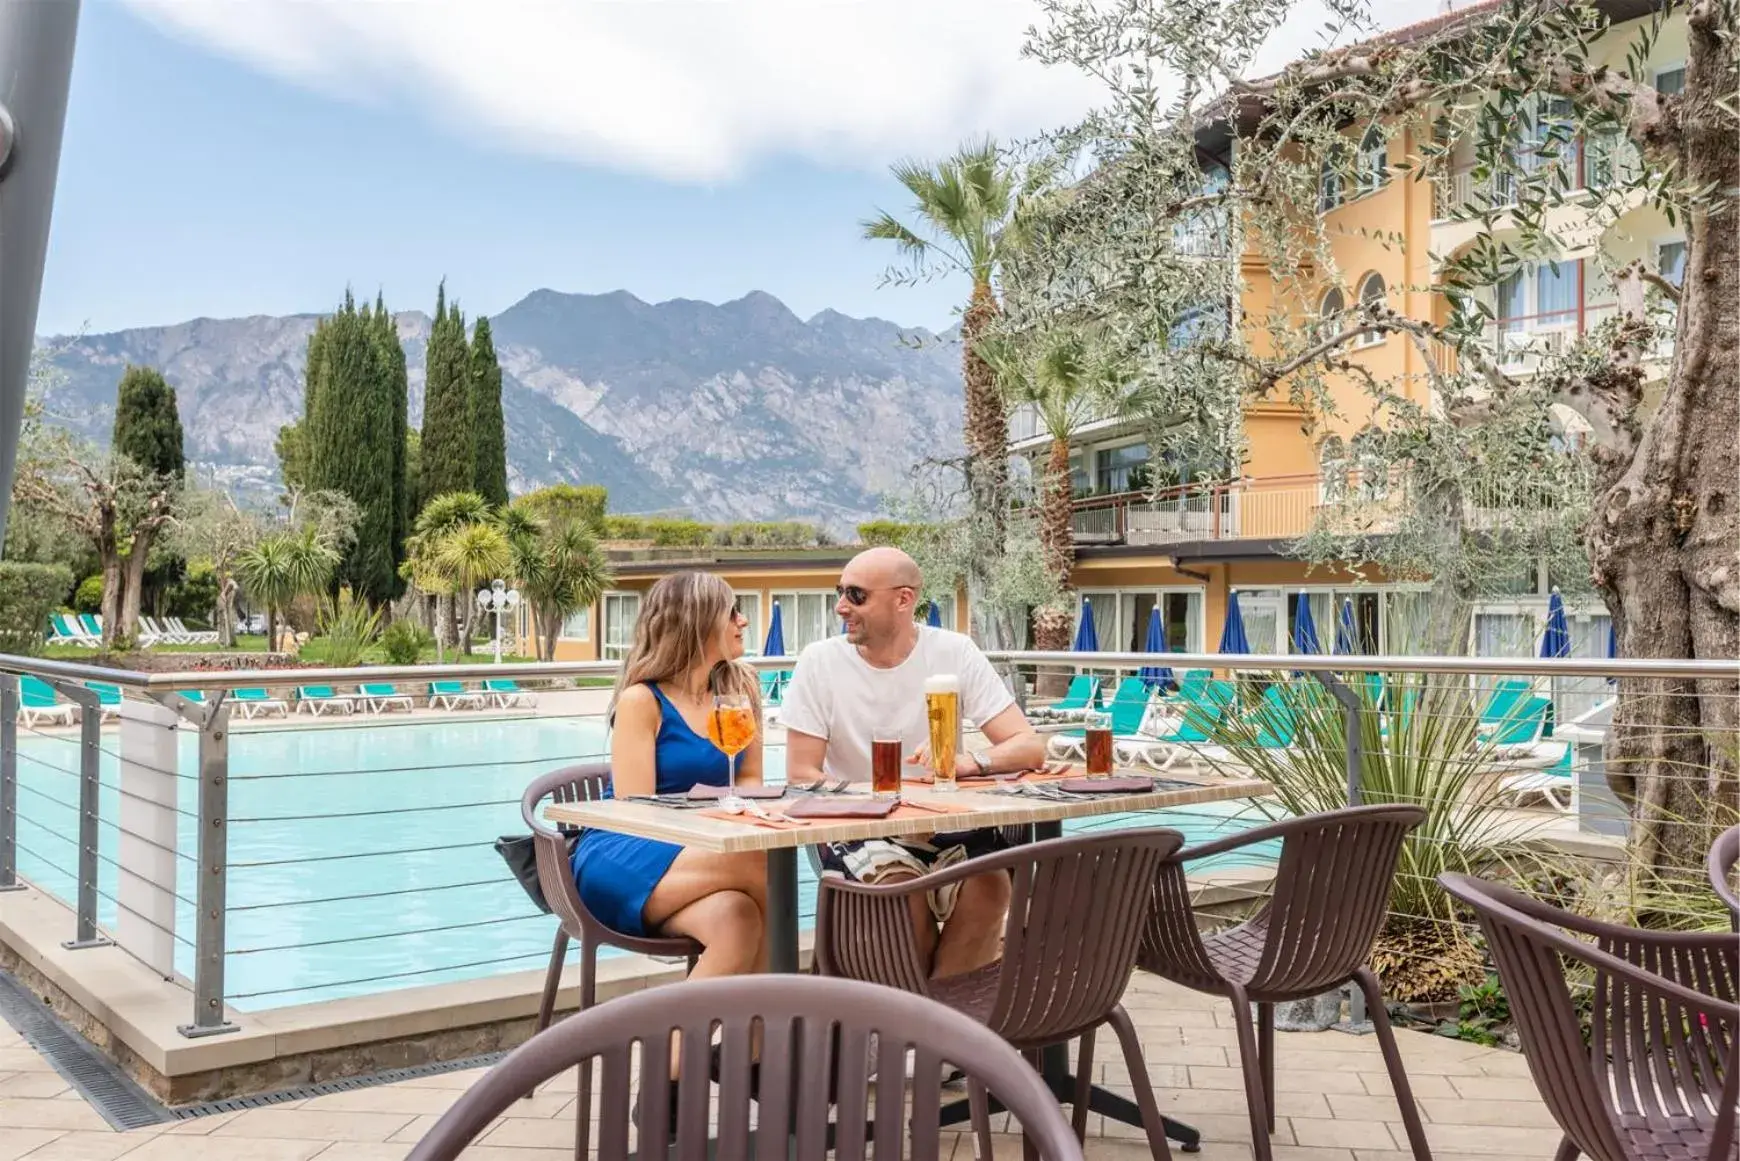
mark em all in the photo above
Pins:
pixel 813 1067
pixel 1663 1023
pixel 1078 909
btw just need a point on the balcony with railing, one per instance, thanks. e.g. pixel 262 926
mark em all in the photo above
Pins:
pixel 1274 507
pixel 1590 165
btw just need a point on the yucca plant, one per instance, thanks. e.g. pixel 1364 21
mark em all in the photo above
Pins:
pixel 348 627
pixel 1421 745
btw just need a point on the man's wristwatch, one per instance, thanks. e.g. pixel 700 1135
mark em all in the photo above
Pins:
pixel 981 763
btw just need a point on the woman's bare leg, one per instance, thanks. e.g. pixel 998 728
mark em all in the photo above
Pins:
pixel 719 901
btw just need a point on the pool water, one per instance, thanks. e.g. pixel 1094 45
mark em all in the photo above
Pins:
pixel 361 857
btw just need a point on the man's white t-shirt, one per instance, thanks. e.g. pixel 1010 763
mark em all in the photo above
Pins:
pixel 835 694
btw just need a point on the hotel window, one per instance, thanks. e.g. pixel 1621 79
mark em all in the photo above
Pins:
pixel 1372 293
pixel 1332 313
pixel 1121 618
pixel 945 611
pixel 1670 260
pixel 1331 191
pixel 1671 80
pixel 1332 470
pixel 1113 466
pixel 577 626
pixel 749 604
pixel 805 618
pixel 621 610
pixel 1370 472
pixel 1372 168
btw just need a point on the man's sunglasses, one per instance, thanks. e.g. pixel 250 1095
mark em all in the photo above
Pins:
pixel 858 594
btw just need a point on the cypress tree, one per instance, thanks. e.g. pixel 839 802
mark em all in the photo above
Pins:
pixel 448 454
pixel 398 386
pixel 488 428
pixel 148 423
pixel 350 441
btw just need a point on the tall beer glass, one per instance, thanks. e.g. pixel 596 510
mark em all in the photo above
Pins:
pixel 885 764
pixel 942 705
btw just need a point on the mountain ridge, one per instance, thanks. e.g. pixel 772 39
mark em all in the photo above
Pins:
pixel 733 410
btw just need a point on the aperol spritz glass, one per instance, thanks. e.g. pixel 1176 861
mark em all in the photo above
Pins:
pixel 731 727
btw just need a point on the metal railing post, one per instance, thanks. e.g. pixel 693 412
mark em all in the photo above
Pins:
pixel 9 783
pixel 213 720
pixel 1351 713
pixel 90 786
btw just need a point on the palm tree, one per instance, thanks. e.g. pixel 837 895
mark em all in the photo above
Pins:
pixel 967 210
pixel 423 567
pixel 473 555
pixel 559 567
pixel 1069 382
pixel 283 567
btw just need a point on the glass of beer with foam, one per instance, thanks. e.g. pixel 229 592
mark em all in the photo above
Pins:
pixel 942 707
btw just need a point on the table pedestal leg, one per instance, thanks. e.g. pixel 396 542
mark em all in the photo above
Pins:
pixel 782 910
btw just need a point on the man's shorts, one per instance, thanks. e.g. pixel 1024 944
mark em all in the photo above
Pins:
pixel 878 860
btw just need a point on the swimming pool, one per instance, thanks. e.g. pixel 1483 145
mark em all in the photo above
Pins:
pixel 361 856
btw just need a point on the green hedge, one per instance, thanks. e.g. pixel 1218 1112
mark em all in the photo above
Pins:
pixel 28 594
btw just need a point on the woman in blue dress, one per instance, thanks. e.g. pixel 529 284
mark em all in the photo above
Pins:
pixel 687 645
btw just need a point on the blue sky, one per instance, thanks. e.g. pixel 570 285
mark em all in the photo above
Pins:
pixel 192 184
pixel 235 157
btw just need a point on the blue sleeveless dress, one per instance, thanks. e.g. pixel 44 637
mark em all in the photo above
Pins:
pixel 616 872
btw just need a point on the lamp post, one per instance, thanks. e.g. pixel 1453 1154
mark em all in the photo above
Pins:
pixel 498 599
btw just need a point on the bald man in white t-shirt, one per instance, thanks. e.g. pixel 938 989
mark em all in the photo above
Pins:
pixel 870 683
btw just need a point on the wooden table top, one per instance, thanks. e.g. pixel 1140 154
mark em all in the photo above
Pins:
pixel 693 828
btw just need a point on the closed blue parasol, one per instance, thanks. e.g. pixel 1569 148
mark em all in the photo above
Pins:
pixel 1156 676
pixel 934 617
pixel 1232 634
pixel 1346 636
pixel 1087 640
pixel 1556 640
pixel 1612 645
pixel 775 646
pixel 1305 629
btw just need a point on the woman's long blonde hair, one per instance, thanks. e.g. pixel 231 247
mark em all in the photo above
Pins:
pixel 678 615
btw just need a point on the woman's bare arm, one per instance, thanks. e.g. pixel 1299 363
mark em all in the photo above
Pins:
pixel 633 743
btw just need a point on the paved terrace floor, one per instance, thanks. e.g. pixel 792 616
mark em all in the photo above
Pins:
pixel 1334 1105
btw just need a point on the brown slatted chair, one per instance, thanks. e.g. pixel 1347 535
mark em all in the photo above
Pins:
pixel 1659 1079
pixel 1723 857
pixel 1075 921
pixel 1332 886
pixel 583 783
pixel 815 1036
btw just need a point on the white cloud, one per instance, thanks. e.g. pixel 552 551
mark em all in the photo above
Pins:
pixel 686 90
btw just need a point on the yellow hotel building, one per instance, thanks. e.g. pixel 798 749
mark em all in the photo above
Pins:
pixel 1184 551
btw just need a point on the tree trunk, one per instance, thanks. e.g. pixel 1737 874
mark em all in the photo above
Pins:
pixel 986 436
pixel 226 612
pixel 1057 543
pixel 113 583
pixel 137 559
pixel 1663 537
pixel 271 627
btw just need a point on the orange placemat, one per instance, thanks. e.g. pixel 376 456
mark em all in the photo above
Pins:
pixel 931 809
pixel 773 821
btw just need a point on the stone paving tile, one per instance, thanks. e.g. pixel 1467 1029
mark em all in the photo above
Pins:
pixel 213 1149
pixel 1487 1140
pixel 41 1085
pixel 16 1142
pixel 1286 1080
pixel 305 1125
pixel 1520 1114
pixel 1488 1088
pixel 33 1113
pixel 1378 1084
pixel 1340 1134
pixel 88 1146
pixel 363 1151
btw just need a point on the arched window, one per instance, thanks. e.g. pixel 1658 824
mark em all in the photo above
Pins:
pixel 1372 167
pixel 1370 471
pixel 1331 191
pixel 1372 293
pixel 1332 466
pixel 1331 314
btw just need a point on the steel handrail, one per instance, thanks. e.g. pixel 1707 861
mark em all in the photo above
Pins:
pixel 228 679
pixel 149 683
pixel 1362 663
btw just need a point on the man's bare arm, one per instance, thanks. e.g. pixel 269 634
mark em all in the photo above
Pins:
pixel 804 754
pixel 1015 744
